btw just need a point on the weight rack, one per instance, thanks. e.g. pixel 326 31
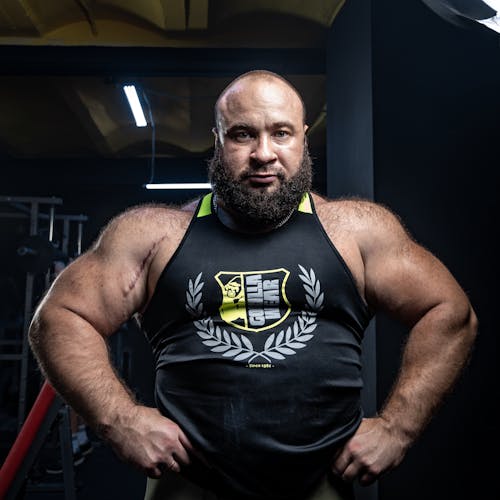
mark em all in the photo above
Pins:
pixel 32 206
pixel 27 206
pixel 25 450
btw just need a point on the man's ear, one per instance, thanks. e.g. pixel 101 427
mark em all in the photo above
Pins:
pixel 306 128
pixel 216 135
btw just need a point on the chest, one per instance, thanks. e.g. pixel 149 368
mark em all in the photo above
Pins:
pixel 214 252
pixel 255 281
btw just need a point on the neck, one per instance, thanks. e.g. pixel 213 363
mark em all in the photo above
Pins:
pixel 234 220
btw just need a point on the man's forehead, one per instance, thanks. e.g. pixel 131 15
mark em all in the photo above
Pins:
pixel 258 85
pixel 254 92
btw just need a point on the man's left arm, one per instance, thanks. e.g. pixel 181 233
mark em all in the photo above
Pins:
pixel 414 287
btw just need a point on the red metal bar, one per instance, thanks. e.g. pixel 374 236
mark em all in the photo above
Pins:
pixel 25 437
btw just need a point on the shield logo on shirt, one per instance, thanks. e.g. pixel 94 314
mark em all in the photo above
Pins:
pixel 254 300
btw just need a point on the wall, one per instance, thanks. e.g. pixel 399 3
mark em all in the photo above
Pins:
pixel 436 132
pixel 428 92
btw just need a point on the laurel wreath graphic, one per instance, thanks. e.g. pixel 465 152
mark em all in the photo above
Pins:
pixel 238 346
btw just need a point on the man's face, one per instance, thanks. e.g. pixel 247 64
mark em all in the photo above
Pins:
pixel 261 167
pixel 261 131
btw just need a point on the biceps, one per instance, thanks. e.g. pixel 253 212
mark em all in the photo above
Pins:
pixel 408 284
pixel 99 292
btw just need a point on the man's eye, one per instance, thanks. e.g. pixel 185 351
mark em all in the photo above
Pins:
pixel 240 135
pixel 281 133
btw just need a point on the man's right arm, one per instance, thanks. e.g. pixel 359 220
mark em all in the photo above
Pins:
pixel 87 303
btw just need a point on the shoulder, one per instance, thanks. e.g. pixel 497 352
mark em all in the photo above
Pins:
pixel 373 225
pixel 355 210
pixel 149 215
pixel 142 227
pixel 357 213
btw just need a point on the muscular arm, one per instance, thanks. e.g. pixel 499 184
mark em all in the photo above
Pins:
pixel 87 303
pixel 414 287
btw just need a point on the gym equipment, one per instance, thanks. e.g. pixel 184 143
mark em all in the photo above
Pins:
pixel 35 254
pixel 13 474
pixel 30 206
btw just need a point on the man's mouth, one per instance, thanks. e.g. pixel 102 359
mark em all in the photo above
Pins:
pixel 262 178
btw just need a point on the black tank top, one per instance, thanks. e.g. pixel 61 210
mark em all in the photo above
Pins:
pixel 257 343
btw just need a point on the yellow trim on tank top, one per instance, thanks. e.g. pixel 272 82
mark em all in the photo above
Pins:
pixel 206 206
pixel 305 204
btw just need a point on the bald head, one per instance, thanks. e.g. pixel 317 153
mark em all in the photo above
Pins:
pixel 249 80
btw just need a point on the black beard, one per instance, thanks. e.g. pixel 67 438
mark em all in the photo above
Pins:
pixel 254 207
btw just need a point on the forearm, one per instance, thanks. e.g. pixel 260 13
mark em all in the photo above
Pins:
pixel 74 358
pixel 436 352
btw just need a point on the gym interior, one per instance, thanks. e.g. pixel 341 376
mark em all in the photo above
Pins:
pixel 403 103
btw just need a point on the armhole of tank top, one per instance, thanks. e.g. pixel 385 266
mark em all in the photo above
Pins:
pixel 364 306
pixel 175 254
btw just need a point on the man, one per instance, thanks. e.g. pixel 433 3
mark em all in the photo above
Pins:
pixel 255 301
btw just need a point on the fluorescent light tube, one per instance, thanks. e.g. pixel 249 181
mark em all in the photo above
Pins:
pixel 135 105
pixel 180 185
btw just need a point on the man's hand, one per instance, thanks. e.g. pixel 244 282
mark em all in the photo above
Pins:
pixel 373 450
pixel 149 441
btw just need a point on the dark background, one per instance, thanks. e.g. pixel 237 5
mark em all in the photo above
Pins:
pixel 436 107
pixel 436 136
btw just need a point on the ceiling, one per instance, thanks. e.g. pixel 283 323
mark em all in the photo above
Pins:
pixel 64 63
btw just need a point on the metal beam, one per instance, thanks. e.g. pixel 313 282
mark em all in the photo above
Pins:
pixel 93 171
pixel 154 61
pixel 31 199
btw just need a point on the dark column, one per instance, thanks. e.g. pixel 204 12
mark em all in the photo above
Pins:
pixel 436 132
pixel 350 144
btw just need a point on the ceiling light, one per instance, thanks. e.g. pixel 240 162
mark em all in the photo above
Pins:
pixel 135 105
pixel 462 12
pixel 180 185
pixel 493 22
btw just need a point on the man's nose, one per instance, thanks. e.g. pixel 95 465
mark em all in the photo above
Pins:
pixel 264 150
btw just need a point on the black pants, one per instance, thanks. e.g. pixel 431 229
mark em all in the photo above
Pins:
pixel 172 486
